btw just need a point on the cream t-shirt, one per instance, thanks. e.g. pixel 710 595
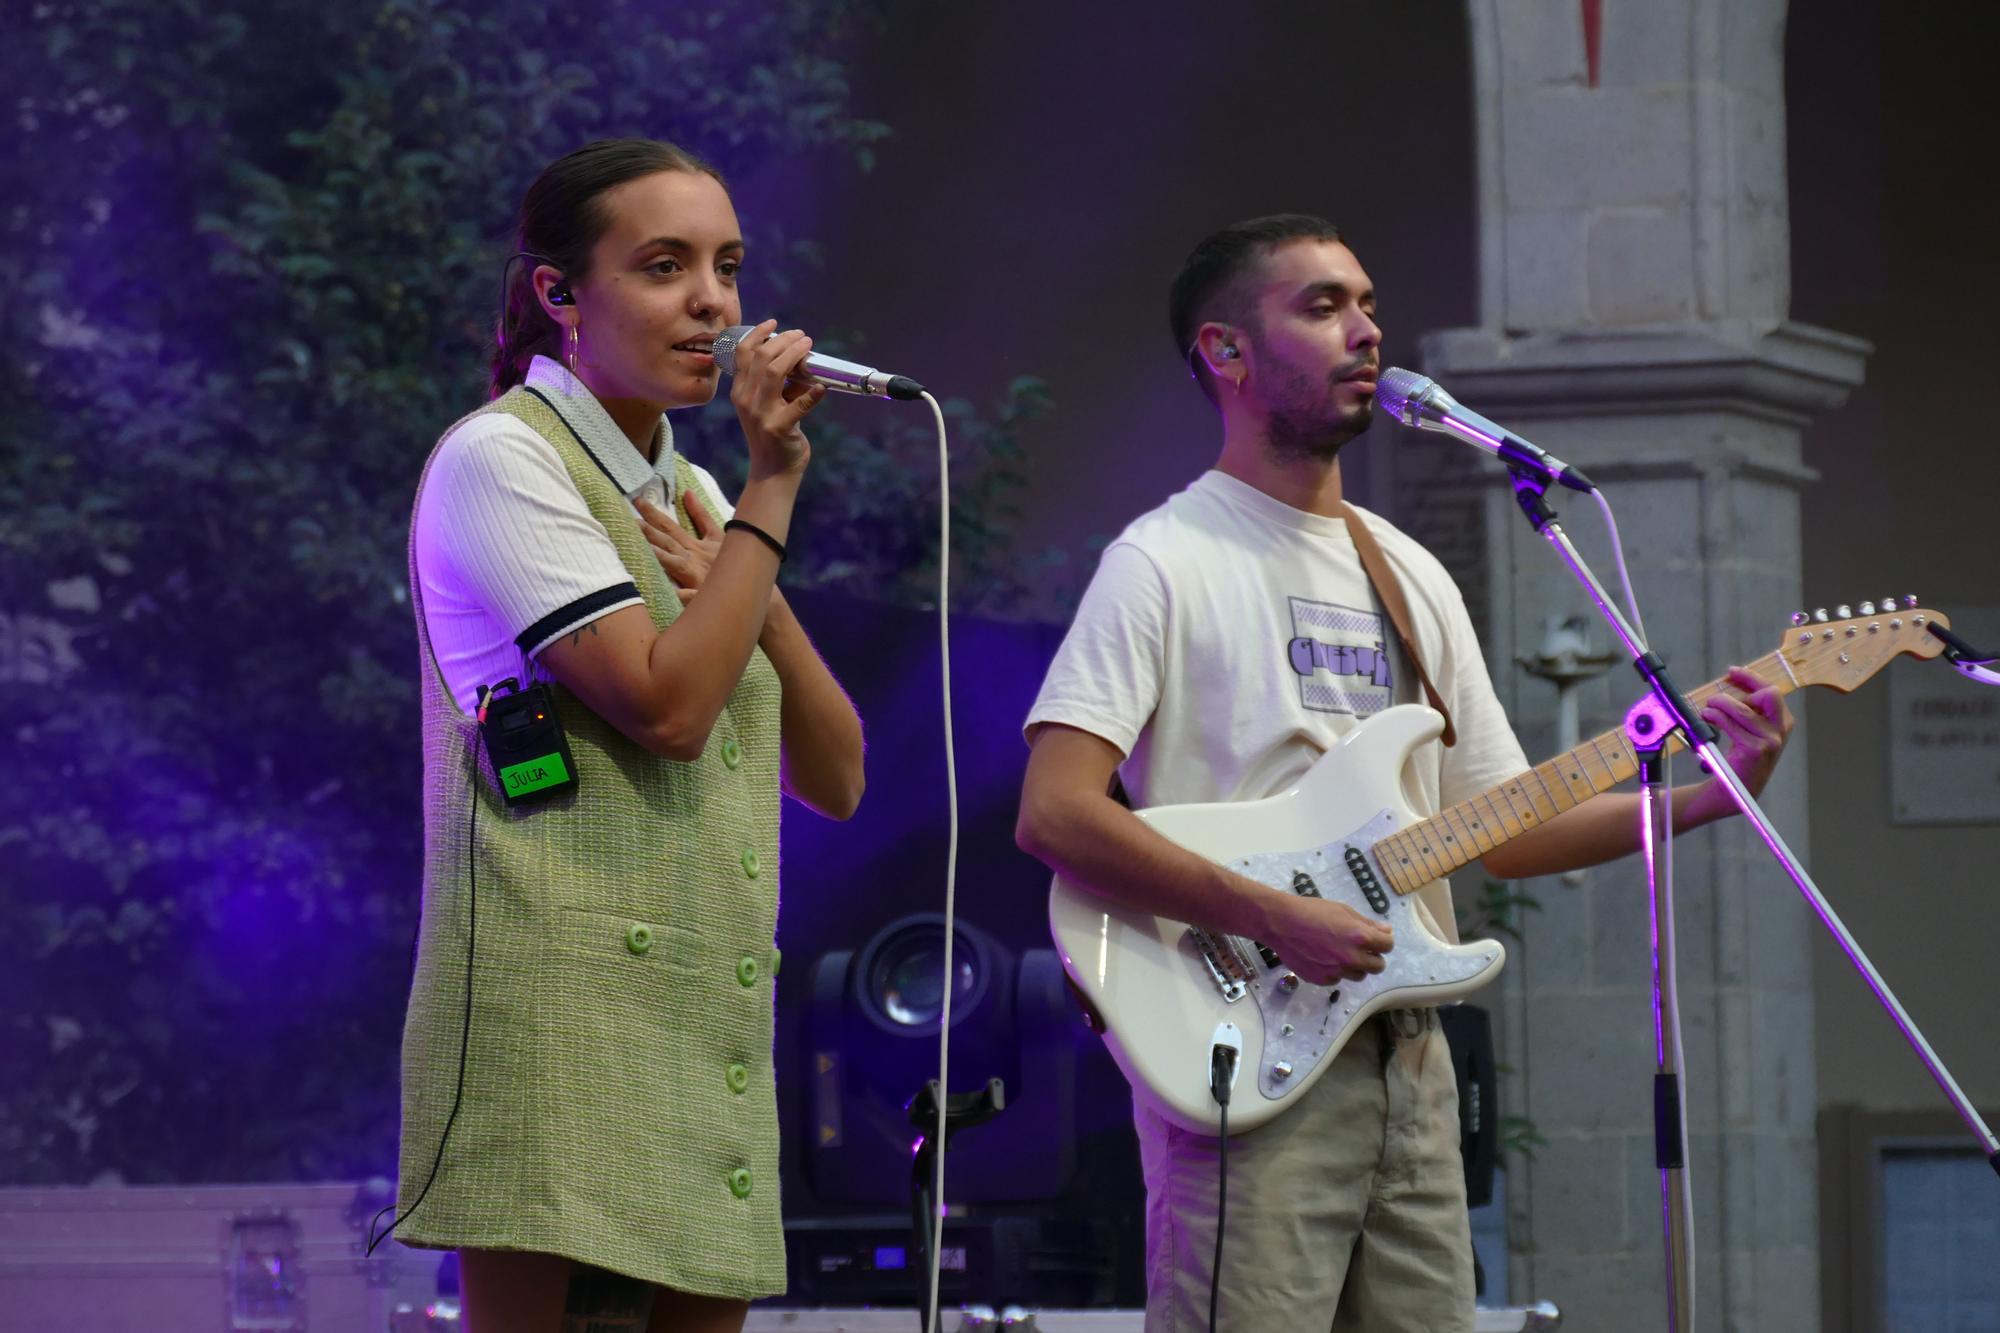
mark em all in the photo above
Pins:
pixel 1228 640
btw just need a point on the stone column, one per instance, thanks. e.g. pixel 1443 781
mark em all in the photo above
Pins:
pixel 1634 289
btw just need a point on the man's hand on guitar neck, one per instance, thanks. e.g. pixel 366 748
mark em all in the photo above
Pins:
pixel 1754 722
pixel 1755 726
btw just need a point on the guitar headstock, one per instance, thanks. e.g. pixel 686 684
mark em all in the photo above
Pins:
pixel 1843 651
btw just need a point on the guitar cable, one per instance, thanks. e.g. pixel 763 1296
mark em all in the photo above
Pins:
pixel 1221 1074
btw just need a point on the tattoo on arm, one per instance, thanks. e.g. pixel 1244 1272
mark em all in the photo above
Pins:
pixel 576 635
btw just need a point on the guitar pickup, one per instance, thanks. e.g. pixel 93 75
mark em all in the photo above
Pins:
pixel 1364 879
pixel 1302 884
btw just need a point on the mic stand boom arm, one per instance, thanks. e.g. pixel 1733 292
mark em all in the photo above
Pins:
pixel 1530 491
pixel 1659 713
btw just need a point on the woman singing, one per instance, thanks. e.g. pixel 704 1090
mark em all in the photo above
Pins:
pixel 588 1111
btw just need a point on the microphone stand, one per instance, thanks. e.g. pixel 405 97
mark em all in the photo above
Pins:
pixel 962 1110
pixel 1650 725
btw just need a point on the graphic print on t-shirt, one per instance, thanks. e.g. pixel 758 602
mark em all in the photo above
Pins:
pixel 1340 658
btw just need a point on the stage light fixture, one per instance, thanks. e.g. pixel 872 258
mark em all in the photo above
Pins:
pixel 871 1042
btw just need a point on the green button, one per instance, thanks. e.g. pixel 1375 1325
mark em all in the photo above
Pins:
pixel 739 1078
pixel 746 970
pixel 638 937
pixel 732 753
pixel 750 863
pixel 777 957
pixel 740 1181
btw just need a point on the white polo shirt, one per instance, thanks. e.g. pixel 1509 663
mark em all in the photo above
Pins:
pixel 509 557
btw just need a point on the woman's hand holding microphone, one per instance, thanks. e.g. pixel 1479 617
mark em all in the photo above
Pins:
pixel 771 408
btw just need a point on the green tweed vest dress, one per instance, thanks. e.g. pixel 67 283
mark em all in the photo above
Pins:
pixel 618 1105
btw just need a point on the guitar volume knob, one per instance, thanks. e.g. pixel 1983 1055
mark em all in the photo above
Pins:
pixel 1281 1070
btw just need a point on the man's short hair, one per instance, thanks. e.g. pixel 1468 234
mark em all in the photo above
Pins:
pixel 1215 264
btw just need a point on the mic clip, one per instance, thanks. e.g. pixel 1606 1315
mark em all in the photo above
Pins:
pixel 1524 458
pixel 1967 660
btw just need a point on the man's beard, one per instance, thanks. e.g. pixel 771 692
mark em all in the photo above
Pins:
pixel 1308 426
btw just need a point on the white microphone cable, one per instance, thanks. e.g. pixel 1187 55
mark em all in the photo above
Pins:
pixel 1618 554
pixel 936 1221
pixel 1664 933
pixel 1420 402
pixel 850 377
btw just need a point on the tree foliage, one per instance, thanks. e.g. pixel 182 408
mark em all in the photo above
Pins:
pixel 253 258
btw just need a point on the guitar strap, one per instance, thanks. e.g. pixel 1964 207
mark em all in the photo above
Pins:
pixel 1376 565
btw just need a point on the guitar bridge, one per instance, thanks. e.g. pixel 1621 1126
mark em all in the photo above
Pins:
pixel 1225 967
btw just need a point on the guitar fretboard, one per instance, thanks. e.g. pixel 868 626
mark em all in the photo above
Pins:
pixel 1459 835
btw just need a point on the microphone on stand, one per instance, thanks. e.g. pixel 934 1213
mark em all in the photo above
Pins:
pixel 829 372
pixel 1420 401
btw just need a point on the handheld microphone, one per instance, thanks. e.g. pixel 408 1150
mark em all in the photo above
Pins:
pixel 827 371
pixel 1420 401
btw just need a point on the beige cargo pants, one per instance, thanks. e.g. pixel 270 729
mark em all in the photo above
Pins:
pixel 1347 1212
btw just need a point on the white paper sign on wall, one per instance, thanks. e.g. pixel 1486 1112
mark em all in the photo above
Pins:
pixel 1944 734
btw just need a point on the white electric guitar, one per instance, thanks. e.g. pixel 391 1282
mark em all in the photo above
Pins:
pixel 1158 989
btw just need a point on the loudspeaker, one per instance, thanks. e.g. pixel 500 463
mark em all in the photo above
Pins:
pixel 1469 1030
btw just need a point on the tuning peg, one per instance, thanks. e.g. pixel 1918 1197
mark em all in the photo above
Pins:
pixel 1888 605
pixel 1819 614
pixel 1868 608
pixel 1800 617
pixel 1910 601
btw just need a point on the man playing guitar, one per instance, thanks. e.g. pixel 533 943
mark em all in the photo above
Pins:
pixel 1228 639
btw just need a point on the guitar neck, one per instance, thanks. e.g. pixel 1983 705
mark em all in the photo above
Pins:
pixel 1454 837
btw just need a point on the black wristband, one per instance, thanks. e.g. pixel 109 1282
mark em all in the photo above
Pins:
pixel 777 547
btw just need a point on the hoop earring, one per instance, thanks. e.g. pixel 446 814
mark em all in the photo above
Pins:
pixel 573 354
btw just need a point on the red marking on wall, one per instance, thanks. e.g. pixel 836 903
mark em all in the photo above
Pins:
pixel 1593 36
